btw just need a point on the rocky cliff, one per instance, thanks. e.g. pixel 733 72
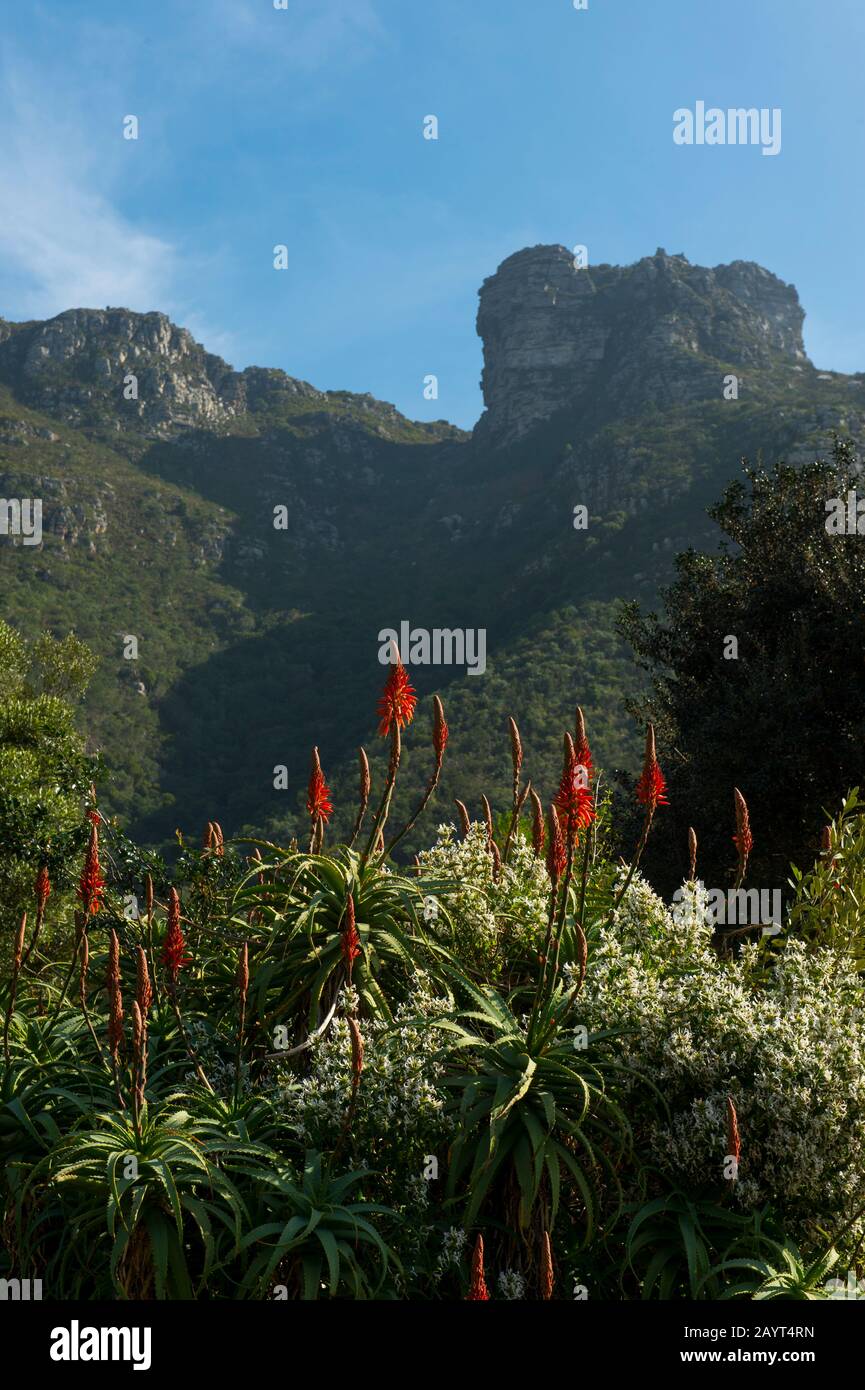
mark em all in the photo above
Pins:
pixel 658 333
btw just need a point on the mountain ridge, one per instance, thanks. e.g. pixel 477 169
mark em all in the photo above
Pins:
pixel 603 387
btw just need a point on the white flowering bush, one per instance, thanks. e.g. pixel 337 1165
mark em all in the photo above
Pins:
pixel 783 1035
pixel 396 1124
pixel 488 918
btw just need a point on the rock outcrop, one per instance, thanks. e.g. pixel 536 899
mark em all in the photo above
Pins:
pixel 661 332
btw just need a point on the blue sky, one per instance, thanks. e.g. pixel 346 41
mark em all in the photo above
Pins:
pixel 304 126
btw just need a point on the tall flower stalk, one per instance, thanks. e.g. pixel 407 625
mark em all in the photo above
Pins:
pixel 365 786
pixel 651 792
pixel 743 839
pixel 396 711
pixel 242 993
pixel 41 892
pixel 318 803
pixel 115 1012
pixel 439 741
pixel 174 957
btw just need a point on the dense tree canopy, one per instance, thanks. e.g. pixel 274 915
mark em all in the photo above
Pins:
pixel 44 769
pixel 758 677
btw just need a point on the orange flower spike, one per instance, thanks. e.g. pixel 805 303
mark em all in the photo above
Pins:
pixel 174 955
pixel 743 839
pixel 478 1291
pixel 91 885
pixel 651 788
pixel 318 794
pixel 440 731
pixel 398 699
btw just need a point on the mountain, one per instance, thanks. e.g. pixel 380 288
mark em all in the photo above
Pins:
pixel 255 535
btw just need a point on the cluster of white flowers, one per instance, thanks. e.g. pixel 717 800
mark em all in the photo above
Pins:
pixel 220 1073
pixel 784 1038
pixel 452 1252
pixel 484 915
pixel 511 1284
pixel 399 1110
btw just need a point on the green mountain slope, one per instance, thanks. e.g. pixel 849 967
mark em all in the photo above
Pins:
pixel 255 535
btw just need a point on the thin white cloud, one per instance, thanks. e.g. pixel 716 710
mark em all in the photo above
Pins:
pixel 307 35
pixel 63 241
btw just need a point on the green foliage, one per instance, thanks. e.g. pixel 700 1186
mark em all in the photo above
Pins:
pixel 548 1065
pixel 827 906
pixel 44 770
pixel 783 721
pixel 327 1242
pixel 533 1111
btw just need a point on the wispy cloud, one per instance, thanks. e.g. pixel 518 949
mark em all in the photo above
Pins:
pixel 63 240
pixel 307 35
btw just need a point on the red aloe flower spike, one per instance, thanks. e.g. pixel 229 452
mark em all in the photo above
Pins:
pixel 547 1277
pixel 734 1142
pixel 651 788
pixel 174 955
pixel 573 801
pixel 398 698
pixel 207 840
pixel 743 839
pixel 42 888
pixel 91 884
pixel 318 802
pixel 42 892
pixel 465 823
pixel 144 990
pixel 692 854
pixel 440 731
pixel 356 1052
pixel 478 1291
pixel 581 744
pixel 825 839
pixel 115 997
pixel 538 828
pixel 557 856
pixel 350 937
pixel 218 840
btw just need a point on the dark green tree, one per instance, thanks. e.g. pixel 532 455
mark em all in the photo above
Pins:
pixel 780 712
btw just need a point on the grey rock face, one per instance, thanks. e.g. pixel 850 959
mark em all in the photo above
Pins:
pixel 79 367
pixel 86 358
pixel 661 331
